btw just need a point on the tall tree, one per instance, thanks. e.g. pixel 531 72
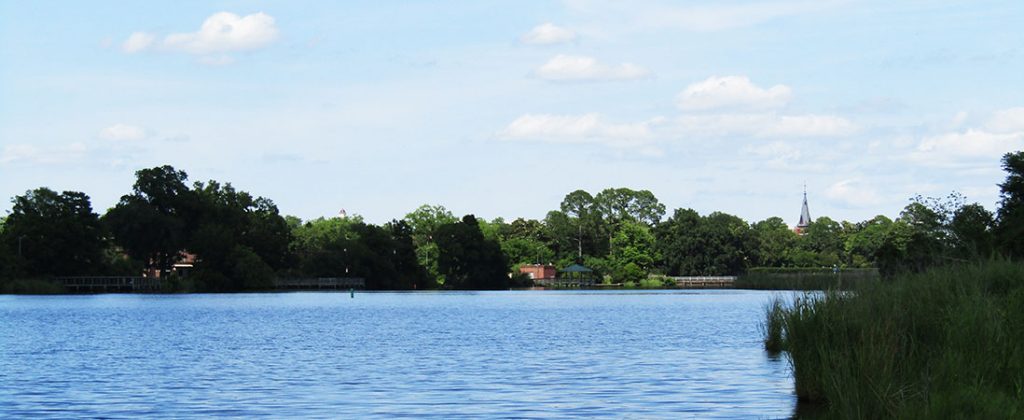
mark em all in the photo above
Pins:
pixel 411 274
pixel 54 234
pixel 824 237
pixel 151 224
pixel 619 204
pixel 862 244
pixel 467 259
pixel 775 241
pixel 425 221
pixel 729 246
pixel 1010 216
pixel 971 229
pixel 589 230
pixel 633 252
pixel 679 242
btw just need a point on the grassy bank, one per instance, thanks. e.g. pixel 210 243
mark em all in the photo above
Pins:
pixel 31 287
pixel 773 278
pixel 946 343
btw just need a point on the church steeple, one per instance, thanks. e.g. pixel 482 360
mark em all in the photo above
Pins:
pixel 805 215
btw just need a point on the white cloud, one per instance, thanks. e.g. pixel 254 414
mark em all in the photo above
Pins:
pixel 548 34
pixel 766 125
pixel 32 154
pixel 123 132
pixel 224 32
pixel 587 128
pixel 853 192
pixel 972 143
pixel 1007 121
pixel 137 41
pixel 731 92
pixel 574 67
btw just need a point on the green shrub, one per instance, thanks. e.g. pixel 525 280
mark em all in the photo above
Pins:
pixel 34 286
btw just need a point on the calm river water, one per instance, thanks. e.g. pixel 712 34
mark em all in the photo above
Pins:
pixel 661 354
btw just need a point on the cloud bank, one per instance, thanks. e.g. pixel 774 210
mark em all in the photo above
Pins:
pixel 220 33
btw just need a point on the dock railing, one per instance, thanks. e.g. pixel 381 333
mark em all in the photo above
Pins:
pixel 320 283
pixel 704 282
pixel 104 284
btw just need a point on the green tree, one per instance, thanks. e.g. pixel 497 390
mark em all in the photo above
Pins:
pixel 411 274
pixel 729 245
pixel 54 234
pixel 467 259
pixel 775 242
pixel 425 221
pixel 151 224
pixel 589 232
pixel 717 244
pixel 384 256
pixel 678 241
pixel 1009 232
pixel 863 243
pixel 521 251
pixel 824 238
pixel 561 233
pixel 231 228
pixel 620 204
pixel 915 242
pixel 526 229
pixel 633 251
pixel 971 228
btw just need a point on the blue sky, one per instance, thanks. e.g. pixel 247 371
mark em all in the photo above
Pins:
pixel 501 108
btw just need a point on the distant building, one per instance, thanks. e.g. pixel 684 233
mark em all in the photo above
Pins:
pixel 539 271
pixel 805 217
pixel 182 267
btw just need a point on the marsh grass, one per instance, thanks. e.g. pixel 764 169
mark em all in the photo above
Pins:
pixel 787 278
pixel 945 343
pixel 32 286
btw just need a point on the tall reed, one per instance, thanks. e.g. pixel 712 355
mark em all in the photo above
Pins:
pixel 948 342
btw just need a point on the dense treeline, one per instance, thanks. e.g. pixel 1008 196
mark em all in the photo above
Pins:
pixel 242 242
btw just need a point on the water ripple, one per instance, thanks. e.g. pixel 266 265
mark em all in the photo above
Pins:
pixel 445 355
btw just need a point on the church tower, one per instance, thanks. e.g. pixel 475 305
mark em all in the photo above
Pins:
pixel 805 216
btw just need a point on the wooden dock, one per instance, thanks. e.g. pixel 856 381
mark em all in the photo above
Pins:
pixel 558 283
pixel 133 284
pixel 109 284
pixel 705 282
pixel 321 283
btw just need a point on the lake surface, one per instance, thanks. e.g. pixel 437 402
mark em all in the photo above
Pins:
pixel 660 354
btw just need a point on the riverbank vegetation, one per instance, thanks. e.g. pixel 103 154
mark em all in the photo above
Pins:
pixel 948 342
pixel 942 338
pixel 238 241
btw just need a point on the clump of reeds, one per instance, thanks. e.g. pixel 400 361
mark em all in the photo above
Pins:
pixel 945 343
pixel 774 341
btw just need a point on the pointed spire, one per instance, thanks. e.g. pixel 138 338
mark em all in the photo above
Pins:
pixel 805 214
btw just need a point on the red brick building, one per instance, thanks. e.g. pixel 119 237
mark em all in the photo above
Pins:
pixel 539 271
